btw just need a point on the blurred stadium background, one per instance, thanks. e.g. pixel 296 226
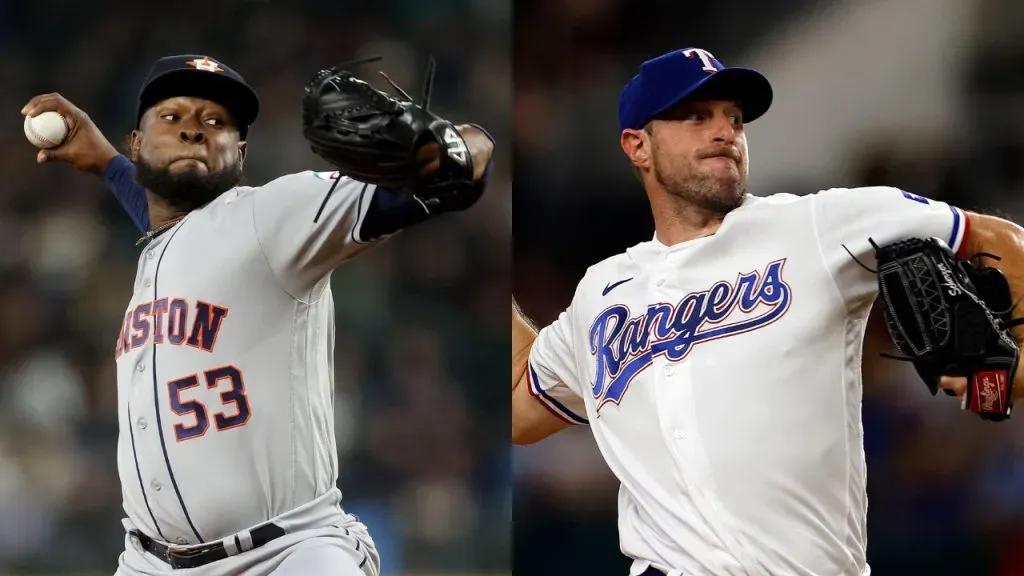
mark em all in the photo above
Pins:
pixel 422 425
pixel 922 94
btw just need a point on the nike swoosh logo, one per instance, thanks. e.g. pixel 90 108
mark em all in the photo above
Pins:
pixel 612 286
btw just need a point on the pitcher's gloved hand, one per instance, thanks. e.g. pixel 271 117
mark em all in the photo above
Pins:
pixel 393 142
pixel 951 318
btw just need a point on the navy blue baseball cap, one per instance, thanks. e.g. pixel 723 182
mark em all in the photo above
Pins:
pixel 687 74
pixel 200 77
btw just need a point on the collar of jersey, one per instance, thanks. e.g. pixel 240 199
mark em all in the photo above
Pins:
pixel 661 247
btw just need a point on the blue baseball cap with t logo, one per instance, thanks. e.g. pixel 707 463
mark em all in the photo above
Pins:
pixel 688 74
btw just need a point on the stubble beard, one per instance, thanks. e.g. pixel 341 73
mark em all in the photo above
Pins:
pixel 708 193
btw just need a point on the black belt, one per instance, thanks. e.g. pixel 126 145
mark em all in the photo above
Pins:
pixel 197 556
pixel 652 571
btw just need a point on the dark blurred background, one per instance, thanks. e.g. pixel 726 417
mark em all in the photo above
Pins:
pixel 422 320
pixel 922 94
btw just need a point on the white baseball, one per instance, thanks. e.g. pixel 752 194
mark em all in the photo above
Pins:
pixel 46 130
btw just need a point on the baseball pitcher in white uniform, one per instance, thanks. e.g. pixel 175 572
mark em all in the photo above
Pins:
pixel 718 364
pixel 225 357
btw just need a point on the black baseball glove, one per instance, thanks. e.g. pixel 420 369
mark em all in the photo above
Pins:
pixel 376 138
pixel 950 317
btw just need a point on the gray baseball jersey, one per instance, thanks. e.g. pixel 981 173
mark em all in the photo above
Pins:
pixel 225 367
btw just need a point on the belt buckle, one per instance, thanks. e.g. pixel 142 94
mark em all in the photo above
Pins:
pixel 186 554
pixel 181 559
pixel 179 551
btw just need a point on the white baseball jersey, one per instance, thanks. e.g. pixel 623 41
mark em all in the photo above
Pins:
pixel 721 378
pixel 225 363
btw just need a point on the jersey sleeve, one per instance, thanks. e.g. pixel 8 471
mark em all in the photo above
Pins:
pixel 303 237
pixel 552 370
pixel 119 178
pixel 850 218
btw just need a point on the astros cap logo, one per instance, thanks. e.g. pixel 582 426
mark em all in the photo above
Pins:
pixel 205 64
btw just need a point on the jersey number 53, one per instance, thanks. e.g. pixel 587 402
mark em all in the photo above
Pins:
pixel 234 403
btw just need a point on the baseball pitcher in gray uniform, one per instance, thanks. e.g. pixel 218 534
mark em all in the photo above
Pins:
pixel 225 368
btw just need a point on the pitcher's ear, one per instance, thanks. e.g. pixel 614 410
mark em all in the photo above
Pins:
pixel 134 144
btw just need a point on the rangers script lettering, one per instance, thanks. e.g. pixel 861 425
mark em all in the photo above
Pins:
pixel 622 344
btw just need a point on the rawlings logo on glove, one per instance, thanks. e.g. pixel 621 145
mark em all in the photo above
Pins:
pixel 950 317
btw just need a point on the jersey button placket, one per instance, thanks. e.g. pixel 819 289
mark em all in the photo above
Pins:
pixel 145 441
pixel 659 280
pixel 663 369
pixel 670 396
pixel 672 381
pixel 692 461
pixel 667 270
